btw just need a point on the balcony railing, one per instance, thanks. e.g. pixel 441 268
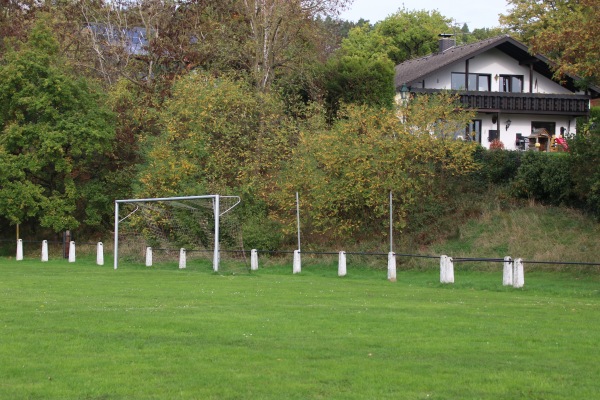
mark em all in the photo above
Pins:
pixel 522 103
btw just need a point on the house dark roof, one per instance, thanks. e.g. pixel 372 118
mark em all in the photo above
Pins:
pixel 416 69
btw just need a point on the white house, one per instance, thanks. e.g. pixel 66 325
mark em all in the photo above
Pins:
pixel 512 91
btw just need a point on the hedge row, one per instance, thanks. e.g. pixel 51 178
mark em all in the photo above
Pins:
pixel 568 179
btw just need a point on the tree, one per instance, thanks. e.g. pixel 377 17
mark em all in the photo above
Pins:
pixel 485 33
pixel 218 136
pixel 344 172
pixel 585 163
pixel 55 132
pixel 362 70
pixel 566 31
pixel 359 72
pixel 150 42
pixel 281 32
pixel 411 33
pixel 16 16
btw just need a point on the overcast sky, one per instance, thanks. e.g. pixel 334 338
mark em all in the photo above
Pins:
pixel 475 13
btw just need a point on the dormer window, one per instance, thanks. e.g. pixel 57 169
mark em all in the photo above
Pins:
pixel 477 82
pixel 511 83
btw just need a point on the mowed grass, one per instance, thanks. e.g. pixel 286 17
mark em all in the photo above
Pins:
pixel 79 331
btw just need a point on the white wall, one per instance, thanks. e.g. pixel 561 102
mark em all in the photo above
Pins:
pixel 520 123
pixel 494 62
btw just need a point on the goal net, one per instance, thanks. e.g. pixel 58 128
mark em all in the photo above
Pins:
pixel 205 226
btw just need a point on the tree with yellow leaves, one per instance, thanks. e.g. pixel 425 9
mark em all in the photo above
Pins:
pixel 566 31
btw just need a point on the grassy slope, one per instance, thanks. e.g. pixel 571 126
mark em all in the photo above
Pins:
pixel 82 331
pixel 531 232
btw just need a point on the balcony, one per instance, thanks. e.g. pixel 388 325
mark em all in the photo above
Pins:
pixel 523 103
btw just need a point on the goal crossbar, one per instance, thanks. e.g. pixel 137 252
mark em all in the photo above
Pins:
pixel 216 211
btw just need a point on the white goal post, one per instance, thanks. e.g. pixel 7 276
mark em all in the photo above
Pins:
pixel 216 211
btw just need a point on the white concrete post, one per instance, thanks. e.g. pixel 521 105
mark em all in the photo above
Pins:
pixel 297 267
pixel 148 256
pixel 507 272
pixel 182 258
pixel 518 273
pixel 44 250
pixel 20 250
pixel 100 254
pixel 342 264
pixel 71 251
pixel 446 269
pixel 443 263
pixel 253 260
pixel 391 267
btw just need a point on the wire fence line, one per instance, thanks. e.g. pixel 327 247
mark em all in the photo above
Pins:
pixel 427 256
pixel 334 253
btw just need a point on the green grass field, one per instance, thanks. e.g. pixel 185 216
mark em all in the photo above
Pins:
pixel 79 331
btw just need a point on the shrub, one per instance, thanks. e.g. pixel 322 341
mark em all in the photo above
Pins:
pixel 544 177
pixel 345 172
pixel 499 166
pixel 496 145
pixel 585 163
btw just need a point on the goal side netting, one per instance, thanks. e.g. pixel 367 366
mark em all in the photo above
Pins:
pixel 206 227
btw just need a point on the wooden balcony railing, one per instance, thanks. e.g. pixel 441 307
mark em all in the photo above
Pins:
pixel 523 103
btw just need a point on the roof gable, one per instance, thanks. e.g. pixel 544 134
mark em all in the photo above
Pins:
pixel 414 70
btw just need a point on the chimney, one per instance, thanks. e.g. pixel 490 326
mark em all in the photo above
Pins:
pixel 446 41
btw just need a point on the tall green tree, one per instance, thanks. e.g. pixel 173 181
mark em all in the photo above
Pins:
pixel 359 72
pixel 362 70
pixel 412 33
pixel 54 134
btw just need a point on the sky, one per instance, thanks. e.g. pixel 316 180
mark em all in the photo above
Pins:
pixel 475 13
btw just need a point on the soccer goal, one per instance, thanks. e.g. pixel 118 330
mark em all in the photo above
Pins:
pixel 199 224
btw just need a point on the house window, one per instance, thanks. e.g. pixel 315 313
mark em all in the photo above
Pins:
pixel 550 127
pixel 483 82
pixel 477 82
pixel 511 83
pixel 471 133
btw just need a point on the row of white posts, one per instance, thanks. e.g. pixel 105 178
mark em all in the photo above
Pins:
pixel 44 258
pixel 512 275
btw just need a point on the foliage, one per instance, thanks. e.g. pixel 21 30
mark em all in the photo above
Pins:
pixel 499 166
pixel 362 70
pixel 15 18
pixel 441 115
pixel 411 33
pixel 585 163
pixel 259 231
pixel 359 80
pixel 345 173
pixel 219 136
pixel 55 133
pixel 496 144
pixel 485 33
pixel 545 177
pixel 566 31
pixel 359 72
pixel 280 33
